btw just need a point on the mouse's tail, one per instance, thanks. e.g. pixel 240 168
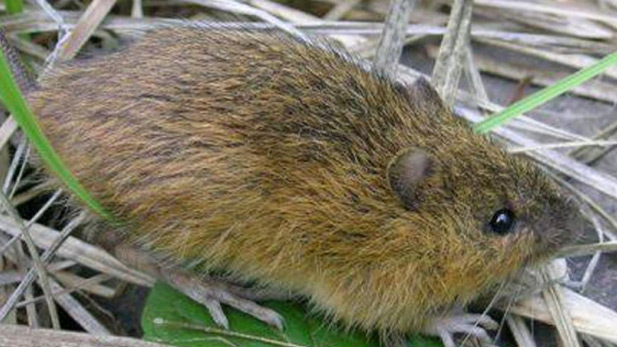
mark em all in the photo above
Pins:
pixel 23 77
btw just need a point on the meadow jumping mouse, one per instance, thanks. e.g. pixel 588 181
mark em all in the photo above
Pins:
pixel 289 164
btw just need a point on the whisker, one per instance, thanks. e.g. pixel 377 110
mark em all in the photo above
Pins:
pixel 487 309
pixel 502 322
pixel 513 298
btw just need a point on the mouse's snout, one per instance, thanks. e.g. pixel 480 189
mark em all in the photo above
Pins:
pixel 562 225
pixel 576 223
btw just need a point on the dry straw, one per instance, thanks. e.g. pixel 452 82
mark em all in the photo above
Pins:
pixel 563 35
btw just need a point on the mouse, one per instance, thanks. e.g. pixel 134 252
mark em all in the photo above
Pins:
pixel 289 164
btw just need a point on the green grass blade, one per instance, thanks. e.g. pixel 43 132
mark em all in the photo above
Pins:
pixel 546 94
pixel 16 104
pixel 14 6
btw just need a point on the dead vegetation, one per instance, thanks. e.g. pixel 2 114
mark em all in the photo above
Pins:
pixel 547 38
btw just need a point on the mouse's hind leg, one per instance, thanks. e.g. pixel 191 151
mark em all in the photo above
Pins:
pixel 209 292
pixel 212 293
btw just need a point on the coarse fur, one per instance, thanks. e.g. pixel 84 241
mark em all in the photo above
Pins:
pixel 267 157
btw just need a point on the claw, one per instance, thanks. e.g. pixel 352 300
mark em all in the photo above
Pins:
pixel 264 314
pixel 212 294
pixel 216 311
pixel 470 324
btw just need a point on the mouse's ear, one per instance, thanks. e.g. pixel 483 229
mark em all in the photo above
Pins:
pixel 424 97
pixel 406 171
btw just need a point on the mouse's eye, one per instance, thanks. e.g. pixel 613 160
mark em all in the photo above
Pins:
pixel 502 221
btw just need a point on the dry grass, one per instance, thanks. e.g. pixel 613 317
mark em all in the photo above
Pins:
pixel 564 35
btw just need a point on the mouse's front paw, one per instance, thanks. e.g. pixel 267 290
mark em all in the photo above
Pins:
pixel 469 324
pixel 212 293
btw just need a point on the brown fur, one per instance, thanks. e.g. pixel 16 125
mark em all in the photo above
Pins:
pixel 266 157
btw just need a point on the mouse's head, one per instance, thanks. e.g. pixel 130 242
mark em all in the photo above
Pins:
pixel 492 212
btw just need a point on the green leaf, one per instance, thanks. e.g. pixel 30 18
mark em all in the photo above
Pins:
pixel 14 6
pixel 546 94
pixel 14 101
pixel 172 318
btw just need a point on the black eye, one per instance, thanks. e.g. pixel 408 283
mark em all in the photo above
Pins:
pixel 502 221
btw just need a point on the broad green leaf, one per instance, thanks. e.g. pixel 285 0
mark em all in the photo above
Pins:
pixel 14 101
pixel 172 318
pixel 546 94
